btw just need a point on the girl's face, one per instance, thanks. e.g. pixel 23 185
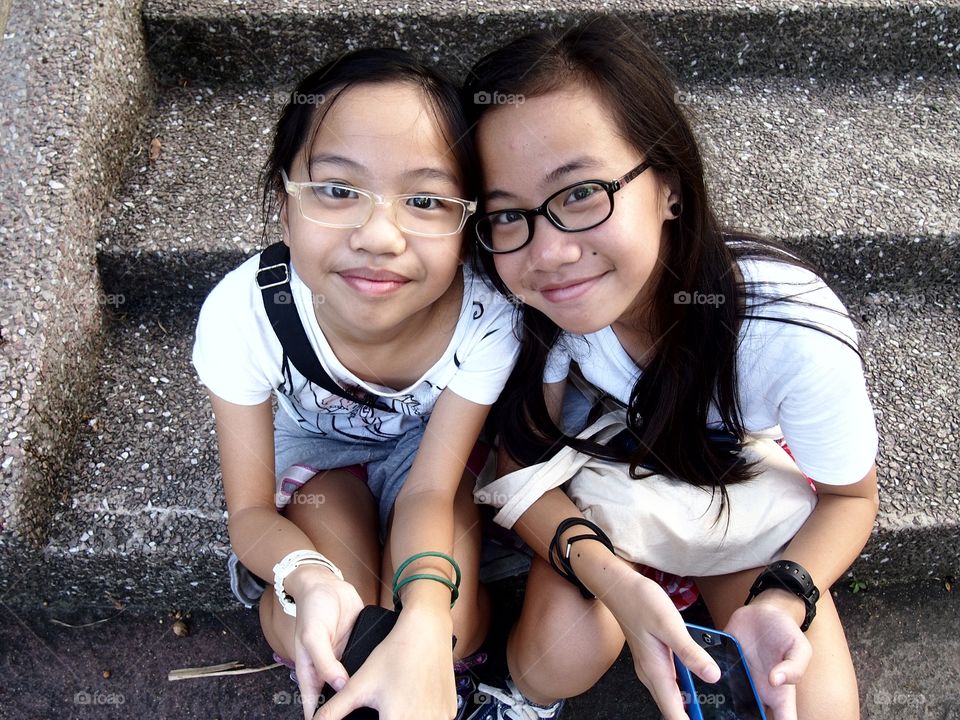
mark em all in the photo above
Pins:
pixel 373 279
pixel 583 281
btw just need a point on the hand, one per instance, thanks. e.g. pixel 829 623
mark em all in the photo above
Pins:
pixel 654 629
pixel 777 651
pixel 326 611
pixel 409 676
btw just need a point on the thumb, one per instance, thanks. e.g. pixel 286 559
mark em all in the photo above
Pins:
pixel 789 670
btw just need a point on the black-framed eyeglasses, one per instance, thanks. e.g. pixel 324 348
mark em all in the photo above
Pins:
pixel 575 208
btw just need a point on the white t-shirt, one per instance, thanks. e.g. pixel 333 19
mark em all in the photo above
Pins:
pixel 794 382
pixel 239 358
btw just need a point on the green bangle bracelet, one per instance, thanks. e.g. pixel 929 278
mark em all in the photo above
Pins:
pixel 429 553
pixel 454 590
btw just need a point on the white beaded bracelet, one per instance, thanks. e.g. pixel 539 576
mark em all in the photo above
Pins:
pixel 290 563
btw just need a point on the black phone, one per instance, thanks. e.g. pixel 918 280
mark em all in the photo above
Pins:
pixel 733 696
pixel 372 626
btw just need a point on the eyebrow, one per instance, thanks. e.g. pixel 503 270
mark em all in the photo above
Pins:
pixel 552 177
pixel 422 173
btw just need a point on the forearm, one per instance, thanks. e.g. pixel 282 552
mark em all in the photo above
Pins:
pixel 423 522
pixel 261 537
pixel 594 565
pixel 830 539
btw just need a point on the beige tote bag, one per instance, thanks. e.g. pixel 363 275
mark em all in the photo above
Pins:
pixel 662 522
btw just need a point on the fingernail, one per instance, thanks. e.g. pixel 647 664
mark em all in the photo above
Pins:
pixel 338 684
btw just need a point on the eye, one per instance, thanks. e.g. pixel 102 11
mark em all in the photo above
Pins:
pixel 426 202
pixel 334 192
pixel 580 193
pixel 507 217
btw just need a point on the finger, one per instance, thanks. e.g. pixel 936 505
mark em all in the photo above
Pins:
pixel 694 657
pixel 311 676
pixel 666 693
pixel 783 703
pixel 328 668
pixel 794 664
pixel 340 705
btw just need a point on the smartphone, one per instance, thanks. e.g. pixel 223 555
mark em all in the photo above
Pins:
pixel 733 696
pixel 372 626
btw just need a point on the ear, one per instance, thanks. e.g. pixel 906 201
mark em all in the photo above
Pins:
pixel 671 197
pixel 284 221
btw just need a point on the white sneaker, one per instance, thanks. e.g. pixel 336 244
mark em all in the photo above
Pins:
pixel 510 704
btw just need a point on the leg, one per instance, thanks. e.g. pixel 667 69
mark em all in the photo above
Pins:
pixel 562 644
pixel 337 512
pixel 829 686
pixel 471 614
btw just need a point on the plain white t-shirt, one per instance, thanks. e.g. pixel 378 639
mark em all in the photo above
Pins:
pixel 239 358
pixel 795 382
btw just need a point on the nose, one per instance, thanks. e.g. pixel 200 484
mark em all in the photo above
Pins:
pixel 551 248
pixel 380 235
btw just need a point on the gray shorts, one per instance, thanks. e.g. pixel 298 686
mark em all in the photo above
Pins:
pixel 300 454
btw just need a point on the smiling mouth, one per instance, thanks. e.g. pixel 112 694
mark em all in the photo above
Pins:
pixel 372 282
pixel 562 292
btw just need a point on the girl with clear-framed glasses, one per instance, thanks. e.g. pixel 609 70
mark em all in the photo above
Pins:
pixel 357 491
pixel 698 340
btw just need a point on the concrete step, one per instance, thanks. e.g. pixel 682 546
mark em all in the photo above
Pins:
pixel 144 522
pixel 862 177
pixel 278 39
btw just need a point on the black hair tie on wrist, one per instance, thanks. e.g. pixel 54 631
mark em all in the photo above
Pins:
pixel 561 561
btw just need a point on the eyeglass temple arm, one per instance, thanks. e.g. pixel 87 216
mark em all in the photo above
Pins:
pixel 623 180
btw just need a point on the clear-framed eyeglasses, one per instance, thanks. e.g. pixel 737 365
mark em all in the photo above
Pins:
pixel 338 205
pixel 574 208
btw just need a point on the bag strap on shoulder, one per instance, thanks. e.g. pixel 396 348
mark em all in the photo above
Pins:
pixel 273 279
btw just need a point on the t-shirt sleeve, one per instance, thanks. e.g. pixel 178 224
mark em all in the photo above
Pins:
pixel 224 352
pixel 824 409
pixel 487 357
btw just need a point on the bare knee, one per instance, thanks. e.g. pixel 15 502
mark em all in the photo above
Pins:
pixel 828 689
pixel 562 644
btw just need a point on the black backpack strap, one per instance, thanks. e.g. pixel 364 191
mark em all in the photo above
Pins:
pixel 273 279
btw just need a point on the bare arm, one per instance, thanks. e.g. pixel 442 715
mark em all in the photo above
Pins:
pixel 417 656
pixel 831 538
pixel 650 622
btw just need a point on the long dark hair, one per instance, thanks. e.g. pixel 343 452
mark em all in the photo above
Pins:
pixel 314 96
pixel 694 363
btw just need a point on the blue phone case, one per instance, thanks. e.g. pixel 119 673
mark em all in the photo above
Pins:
pixel 734 696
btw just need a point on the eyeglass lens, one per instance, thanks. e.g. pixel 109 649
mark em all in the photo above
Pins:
pixel 576 208
pixel 343 206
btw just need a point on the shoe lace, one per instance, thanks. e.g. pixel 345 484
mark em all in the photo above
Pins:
pixel 512 705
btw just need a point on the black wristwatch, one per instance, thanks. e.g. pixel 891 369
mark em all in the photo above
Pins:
pixel 789 576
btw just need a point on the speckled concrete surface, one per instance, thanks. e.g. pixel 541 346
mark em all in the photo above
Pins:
pixel 231 41
pixel 144 521
pixel 867 175
pixel 74 84
pixel 904 642
pixel 859 174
